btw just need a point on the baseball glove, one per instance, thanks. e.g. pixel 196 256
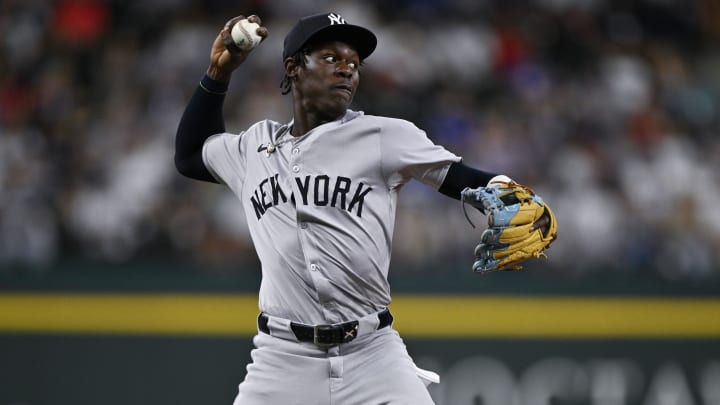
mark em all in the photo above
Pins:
pixel 517 218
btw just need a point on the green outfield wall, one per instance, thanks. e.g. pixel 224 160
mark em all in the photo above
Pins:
pixel 148 337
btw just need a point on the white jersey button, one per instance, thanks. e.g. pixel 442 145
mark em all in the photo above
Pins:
pixel 313 267
pixel 296 168
pixel 296 151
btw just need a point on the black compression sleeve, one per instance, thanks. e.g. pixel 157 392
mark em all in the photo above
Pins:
pixel 203 117
pixel 460 176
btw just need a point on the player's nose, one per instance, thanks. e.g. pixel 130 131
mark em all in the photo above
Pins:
pixel 344 69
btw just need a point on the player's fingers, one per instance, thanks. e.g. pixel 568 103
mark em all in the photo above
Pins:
pixel 229 24
pixel 226 35
pixel 262 31
pixel 229 43
pixel 255 19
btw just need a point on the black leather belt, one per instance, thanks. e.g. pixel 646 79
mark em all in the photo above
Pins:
pixel 327 335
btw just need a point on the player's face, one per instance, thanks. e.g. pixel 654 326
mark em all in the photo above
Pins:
pixel 330 78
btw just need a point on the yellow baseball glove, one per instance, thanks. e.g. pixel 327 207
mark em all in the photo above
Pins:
pixel 520 225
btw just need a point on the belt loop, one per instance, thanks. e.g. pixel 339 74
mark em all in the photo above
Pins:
pixel 263 323
pixel 280 327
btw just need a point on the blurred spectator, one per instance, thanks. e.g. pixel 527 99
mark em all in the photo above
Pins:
pixel 610 110
pixel 80 22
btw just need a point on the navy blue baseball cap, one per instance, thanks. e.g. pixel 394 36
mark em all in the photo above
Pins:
pixel 330 26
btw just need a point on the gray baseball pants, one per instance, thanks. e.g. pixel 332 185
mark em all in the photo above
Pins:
pixel 373 369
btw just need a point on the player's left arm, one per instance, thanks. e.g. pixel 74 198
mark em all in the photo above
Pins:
pixel 519 228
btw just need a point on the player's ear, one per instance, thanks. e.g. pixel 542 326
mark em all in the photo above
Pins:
pixel 291 67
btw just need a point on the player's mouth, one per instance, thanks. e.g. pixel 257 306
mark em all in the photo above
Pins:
pixel 345 88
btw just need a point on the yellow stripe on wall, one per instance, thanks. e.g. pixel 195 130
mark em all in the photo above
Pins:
pixel 419 316
pixel 163 314
pixel 558 317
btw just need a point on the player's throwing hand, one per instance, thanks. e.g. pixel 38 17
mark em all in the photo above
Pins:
pixel 225 55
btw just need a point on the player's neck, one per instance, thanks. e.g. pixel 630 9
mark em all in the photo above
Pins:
pixel 305 122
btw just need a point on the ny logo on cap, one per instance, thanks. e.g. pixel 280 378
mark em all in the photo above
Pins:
pixel 335 19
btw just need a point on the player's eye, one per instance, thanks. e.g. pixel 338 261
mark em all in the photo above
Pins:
pixel 332 59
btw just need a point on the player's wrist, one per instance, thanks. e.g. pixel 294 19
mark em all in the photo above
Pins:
pixel 212 85
pixel 219 75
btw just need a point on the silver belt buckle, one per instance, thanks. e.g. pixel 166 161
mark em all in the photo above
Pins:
pixel 315 335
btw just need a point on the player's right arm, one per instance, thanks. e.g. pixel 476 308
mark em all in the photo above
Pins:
pixel 203 115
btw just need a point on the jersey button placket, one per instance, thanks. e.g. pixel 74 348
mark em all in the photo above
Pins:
pixel 296 169
pixel 295 157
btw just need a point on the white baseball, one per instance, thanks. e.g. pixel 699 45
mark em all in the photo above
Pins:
pixel 244 33
pixel 501 178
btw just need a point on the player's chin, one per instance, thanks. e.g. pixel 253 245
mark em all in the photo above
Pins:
pixel 338 105
pixel 341 94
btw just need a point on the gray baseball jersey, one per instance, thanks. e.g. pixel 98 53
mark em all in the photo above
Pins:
pixel 321 207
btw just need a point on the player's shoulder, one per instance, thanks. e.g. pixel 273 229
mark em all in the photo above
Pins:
pixel 388 123
pixel 259 129
pixel 264 128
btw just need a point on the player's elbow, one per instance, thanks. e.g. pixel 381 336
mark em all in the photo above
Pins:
pixel 181 165
pixel 194 168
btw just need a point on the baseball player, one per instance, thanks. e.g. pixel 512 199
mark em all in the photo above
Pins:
pixel 320 194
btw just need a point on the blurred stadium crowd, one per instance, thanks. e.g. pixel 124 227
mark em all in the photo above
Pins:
pixel 610 110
